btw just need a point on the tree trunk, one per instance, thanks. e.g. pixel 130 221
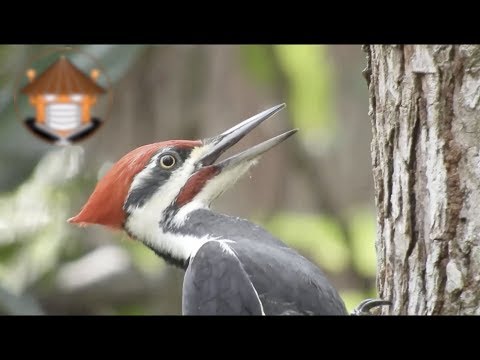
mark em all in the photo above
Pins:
pixel 425 111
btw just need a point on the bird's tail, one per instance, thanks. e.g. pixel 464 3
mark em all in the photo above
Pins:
pixel 366 305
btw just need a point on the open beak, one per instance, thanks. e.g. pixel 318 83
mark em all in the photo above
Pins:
pixel 227 139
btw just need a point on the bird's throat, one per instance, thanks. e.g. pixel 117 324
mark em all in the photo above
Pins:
pixel 178 241
pixel 169 242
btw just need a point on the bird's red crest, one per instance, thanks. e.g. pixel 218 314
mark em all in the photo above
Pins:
pixel 105 205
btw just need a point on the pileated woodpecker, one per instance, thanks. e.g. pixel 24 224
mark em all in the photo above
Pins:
pixel 160 194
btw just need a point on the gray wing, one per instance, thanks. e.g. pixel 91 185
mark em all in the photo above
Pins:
pixel 215 283
pixel 287 283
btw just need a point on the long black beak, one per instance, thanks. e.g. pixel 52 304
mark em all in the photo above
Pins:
pixel 227 139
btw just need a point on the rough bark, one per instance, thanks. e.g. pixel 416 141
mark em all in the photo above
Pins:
pixel 425 111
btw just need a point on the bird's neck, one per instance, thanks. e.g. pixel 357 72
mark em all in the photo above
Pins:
pixel 178 238
pixel 204 222
pixel 162 235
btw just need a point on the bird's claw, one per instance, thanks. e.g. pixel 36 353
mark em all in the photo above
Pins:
pixel 366 305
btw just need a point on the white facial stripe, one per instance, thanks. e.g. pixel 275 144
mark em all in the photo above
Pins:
pixel 172 187
pixel 143 222
pixel 147 172
pixel 176 245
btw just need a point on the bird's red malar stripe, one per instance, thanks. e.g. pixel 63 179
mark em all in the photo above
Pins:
pixel 195 184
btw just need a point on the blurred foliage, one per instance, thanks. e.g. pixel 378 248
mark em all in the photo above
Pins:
pixel 311 87
pixel 259 63
pixel 316 236
pixel 38 249
pixel 145 259
pixel 309 77
pixel 320 238
pixel 362 227
pixel 33 228
pixel 34 235
pixel 32 219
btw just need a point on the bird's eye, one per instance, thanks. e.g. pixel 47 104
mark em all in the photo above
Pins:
pixel 167 161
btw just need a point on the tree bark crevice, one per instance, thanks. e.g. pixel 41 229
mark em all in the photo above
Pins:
pixel 426 171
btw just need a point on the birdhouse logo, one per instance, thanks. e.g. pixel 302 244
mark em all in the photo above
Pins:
pixel 63 99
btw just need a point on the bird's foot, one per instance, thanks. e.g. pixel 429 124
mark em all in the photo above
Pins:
pixel 366 305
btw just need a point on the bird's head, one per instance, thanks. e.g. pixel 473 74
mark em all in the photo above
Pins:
pixel 159 184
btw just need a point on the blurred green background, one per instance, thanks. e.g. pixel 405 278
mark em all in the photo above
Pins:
pixel 315 191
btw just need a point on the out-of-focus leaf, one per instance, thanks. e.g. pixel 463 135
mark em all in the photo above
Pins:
pixel 317 236
pixel 258 63
pixel 363 233
pixel 94 267
pixel 11 304
pixel 143 258
pixel 34 217
pixel 311 90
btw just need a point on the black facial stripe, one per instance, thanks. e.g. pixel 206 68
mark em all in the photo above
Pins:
pixel 168 215
pixel 140 194
pixel 158 177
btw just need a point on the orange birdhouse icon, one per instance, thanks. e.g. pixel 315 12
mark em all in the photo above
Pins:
pixel 63 97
